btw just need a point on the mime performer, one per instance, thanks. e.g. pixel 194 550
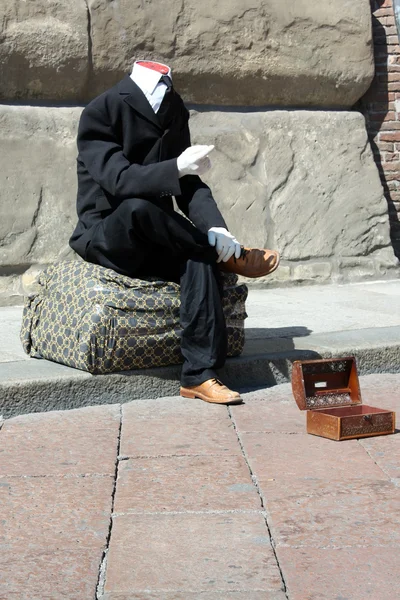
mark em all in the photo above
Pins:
pixel 134 155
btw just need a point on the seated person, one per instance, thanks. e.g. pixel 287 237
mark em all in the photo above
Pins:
pixel 134 155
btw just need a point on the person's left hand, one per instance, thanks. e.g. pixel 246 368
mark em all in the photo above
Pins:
pixel 225 243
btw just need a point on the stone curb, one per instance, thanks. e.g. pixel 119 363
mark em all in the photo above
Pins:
pixel 38 385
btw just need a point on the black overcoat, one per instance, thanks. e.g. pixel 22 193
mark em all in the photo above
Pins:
pixel 125 152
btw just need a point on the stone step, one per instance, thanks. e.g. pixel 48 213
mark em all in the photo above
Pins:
pixel 40 385
pixel 283 325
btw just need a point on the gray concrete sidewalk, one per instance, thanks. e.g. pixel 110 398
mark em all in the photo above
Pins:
pixel 283 324
pixel 176 499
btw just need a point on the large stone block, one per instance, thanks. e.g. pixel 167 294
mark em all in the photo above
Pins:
pixel 37 183
pixel 302 182
pixel 44 49
pixel 241 52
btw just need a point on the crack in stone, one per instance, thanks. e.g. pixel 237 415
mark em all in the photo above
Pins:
pixel 60 475
pixel 145 456
pixel 34 221
pixel 360 442
pixel 264 512
pixel 103 563
pixel 38 207
pixel 167 513
pixel 89 49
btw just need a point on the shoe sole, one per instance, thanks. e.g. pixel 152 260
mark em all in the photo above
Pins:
pixel 257 275
pixel 185 393
pixel 271 270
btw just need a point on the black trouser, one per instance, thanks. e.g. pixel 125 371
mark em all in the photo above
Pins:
pixel 140 239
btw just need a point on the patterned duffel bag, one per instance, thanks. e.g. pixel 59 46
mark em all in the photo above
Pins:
pixel 92 318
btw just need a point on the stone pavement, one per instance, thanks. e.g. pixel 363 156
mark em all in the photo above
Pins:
pixel 175 499
pixel 284 324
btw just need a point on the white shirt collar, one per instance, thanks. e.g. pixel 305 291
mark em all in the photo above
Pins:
pixel 147 79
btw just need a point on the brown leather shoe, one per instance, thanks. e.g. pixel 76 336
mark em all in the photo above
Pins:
pixel 253 262
pixel 212 390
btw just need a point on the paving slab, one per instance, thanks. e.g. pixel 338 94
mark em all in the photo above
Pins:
pixel 323 514
pixel 303 456
pixel 31 444
pixel 191 552
pixel 67 512
pixel 176 426
pixel 341 573
pixel 271 410
pixel 56 491
pixel 189 483
pixel 385 452
pixel 49 573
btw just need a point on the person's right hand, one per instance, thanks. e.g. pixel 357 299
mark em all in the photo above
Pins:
pixel 194 160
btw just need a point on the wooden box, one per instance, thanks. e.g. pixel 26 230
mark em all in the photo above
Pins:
pixel 329 391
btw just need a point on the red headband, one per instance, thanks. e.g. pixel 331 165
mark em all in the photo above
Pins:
pixel 154 66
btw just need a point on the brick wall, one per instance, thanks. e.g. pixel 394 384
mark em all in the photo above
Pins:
pixel 381 107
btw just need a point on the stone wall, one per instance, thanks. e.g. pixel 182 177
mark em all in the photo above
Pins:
pixel 241 52
pixel 381 106
pixel 301 181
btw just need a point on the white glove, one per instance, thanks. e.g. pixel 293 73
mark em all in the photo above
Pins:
pixel 194 160
pixel 225 244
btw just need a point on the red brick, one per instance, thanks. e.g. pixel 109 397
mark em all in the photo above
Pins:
pixel 393 185
pixel 202 552
pixel 390 137
pixel 77 441
pixel 385 96
pixel 383 12
pixel 385 4
pixel 393 49
pixel 395 196
pixel 388 116
pixel 387 21
pixel 284 457
pixel 380 39
pixel 386 147
pixel 353 573
pixel 182 483
pixel 381 107
pixel 384 126
pixel 390 176
pixel 392 76
pixel 176 426
pixel 391 157
pixel 392 166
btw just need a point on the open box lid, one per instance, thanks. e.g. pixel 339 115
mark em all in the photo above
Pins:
pixel 326 383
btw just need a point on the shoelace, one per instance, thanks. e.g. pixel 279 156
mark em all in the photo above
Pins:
pixel 218 381
pixel 243 254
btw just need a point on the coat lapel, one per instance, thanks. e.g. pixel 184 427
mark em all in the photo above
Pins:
pixel 137 100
